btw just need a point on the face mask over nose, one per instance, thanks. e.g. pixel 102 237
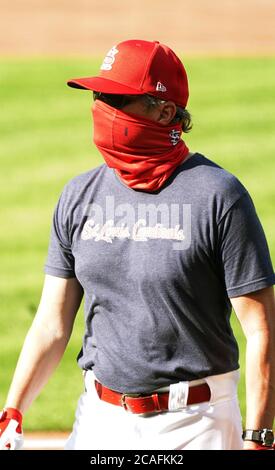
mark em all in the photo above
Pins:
pixel 143 153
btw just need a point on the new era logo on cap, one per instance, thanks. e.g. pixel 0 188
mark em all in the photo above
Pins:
pixel 161 87
pixel 138 67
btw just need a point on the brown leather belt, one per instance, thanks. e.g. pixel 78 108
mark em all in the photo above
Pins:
pixel 150 403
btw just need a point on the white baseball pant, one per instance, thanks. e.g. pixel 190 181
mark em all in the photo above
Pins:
pixel 215 425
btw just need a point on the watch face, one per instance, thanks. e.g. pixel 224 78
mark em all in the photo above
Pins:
pixel 267 437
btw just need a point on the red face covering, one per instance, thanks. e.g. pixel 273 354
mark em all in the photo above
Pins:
pixel 144 153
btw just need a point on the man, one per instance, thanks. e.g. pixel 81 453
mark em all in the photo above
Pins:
pixel 163 242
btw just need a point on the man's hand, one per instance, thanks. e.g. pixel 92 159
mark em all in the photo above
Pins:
pixel 251 445
pixel 11 435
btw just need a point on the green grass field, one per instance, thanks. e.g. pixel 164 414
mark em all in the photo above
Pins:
pixel 46 139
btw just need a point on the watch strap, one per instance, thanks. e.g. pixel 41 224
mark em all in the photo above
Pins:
pixel 252 435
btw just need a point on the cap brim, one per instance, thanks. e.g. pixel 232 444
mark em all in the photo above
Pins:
pixel 104 85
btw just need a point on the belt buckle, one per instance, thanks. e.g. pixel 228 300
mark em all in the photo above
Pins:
pixel 123 401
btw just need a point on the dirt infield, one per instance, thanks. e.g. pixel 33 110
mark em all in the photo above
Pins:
pixel 45 440
pixel 90 27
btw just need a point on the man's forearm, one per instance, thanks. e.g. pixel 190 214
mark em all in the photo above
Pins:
pixel 46 340
pixel 260 380
pixel 40 355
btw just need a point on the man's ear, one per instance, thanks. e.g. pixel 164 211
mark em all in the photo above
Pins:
pixel 167 112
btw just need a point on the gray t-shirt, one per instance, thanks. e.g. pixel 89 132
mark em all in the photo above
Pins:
pixel 158 270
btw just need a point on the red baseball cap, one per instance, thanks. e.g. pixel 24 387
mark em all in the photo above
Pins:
pixel 136 67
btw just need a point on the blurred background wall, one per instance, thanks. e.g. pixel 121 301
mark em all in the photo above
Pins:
pixel 68 27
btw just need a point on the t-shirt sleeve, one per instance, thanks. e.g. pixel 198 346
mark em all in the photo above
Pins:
pixel 60 260
pixel 243 251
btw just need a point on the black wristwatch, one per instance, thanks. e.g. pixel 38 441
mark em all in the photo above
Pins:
pixel 265 437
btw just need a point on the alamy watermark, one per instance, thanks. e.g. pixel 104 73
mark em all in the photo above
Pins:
pixel 140 223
